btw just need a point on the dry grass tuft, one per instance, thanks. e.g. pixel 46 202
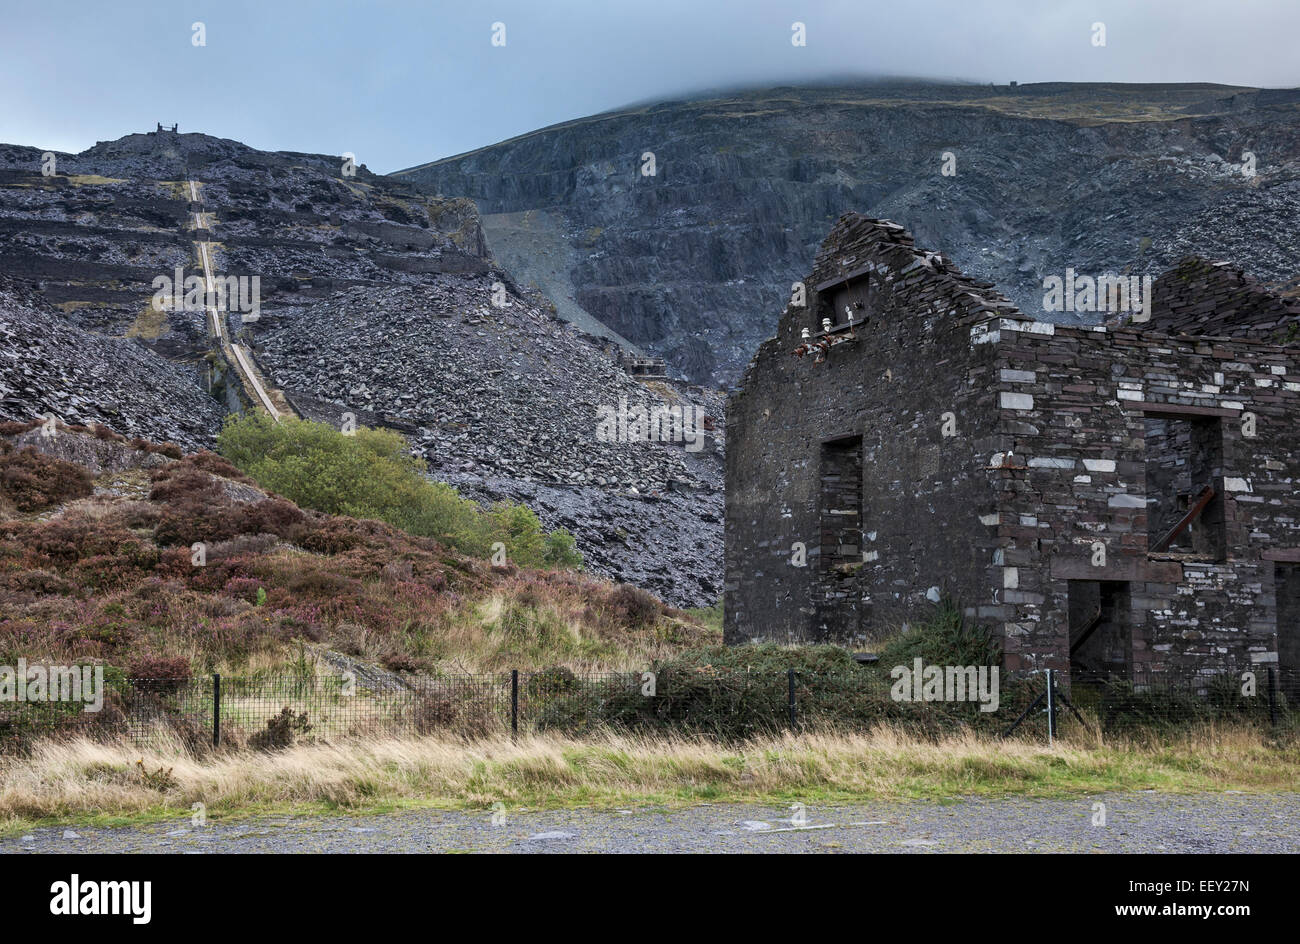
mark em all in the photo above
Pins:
pixel 80 779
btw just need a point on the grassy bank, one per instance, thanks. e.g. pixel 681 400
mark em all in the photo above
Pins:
pixel 84 782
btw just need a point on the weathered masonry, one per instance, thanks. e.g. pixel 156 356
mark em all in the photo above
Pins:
pixel 1117 499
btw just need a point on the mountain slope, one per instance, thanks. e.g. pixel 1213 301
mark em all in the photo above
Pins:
pixel 376 300
pixel 696 262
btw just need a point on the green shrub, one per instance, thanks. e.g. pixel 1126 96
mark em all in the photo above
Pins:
pixel 371 474
pixel 946 638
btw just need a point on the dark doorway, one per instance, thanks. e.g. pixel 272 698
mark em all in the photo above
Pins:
pixel 841 511
pixel 839 606
pixel 1101 634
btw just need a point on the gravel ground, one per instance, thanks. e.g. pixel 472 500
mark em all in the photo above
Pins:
pixel 1143 822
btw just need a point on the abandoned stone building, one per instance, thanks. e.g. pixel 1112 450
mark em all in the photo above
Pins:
pixel 1117 499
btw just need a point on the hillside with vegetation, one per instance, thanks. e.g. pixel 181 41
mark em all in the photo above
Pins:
pixel 156 563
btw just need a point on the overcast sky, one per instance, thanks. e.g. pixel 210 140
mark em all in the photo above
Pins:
pixel 401 83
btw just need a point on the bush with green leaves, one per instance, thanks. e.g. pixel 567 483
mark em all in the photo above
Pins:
pixel 372 474
pixel 735 692
pixel 945 638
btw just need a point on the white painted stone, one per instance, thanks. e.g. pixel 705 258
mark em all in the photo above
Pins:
pixel 1018 376
pixel 1028 327
pixel 989 519
pixel 1044 462
pixel 1010 578
pixel 1236 485
pixel 1017 401
pixel 1099 465
pixel 1126 501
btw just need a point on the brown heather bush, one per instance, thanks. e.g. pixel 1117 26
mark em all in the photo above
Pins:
pixel 270 516
pixel 188 522
pixel 139 514
pixel 212 464
pixel 40 581
pixel 330 536
pixel 160 674
pixel 15 428
pixel 633 606
pixel 178 483
pixel 73 536
pixel 33 481
pixel 320 585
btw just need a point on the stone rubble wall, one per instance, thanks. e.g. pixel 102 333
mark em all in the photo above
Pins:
pixel 1076 426
pixel 1048 465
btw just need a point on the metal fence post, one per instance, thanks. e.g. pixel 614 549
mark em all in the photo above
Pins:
pixel 1051 707
pixel 216 709
pixel 1272 696
pixel 514 703
pixel 794 718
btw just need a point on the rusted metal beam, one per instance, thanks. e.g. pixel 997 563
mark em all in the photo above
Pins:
pixel 1192 514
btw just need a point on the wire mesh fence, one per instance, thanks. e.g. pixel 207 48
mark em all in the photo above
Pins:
pixel 1257 695
pixel 272 711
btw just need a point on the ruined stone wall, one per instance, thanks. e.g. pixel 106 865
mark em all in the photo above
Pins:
pixel 1215 299
pixel 1074 403
pixel 1027 469
pixel 923 492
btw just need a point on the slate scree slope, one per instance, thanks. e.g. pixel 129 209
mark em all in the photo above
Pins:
pixel 375 300
pixel 1116 499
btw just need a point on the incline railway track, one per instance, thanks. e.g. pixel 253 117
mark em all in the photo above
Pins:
pixel 236 354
